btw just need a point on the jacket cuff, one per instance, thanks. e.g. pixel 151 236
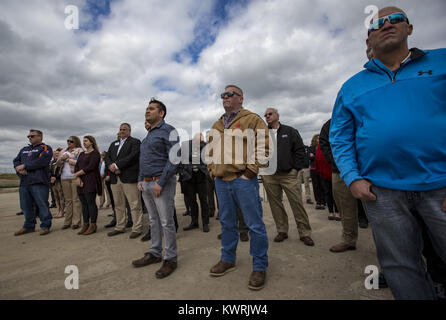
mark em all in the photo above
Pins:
pixel 350 178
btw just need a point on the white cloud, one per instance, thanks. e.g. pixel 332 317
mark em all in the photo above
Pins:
pixel 293 55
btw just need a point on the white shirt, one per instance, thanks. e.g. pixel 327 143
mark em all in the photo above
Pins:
pixel 66 171
pixel 121 143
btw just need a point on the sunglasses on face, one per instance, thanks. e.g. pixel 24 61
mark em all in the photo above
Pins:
pixel 31 136
pixel 229 94
pixel 70 141
pixel 392 18
pixel 268 114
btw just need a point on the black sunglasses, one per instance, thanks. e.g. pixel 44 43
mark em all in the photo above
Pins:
pixel 229 94
pixel 70 141
pixel 31 136
pixel 269 114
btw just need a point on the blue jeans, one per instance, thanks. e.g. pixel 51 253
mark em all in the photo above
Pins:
pixel 244 194
pixel 38 194
pixel 161 211
pixel 398 237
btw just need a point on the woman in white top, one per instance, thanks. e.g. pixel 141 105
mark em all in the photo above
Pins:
pixel 67 160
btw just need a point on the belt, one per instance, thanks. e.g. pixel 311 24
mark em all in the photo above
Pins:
pixel 148 179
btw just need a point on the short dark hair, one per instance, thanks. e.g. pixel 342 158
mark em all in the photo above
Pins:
pixel 234 86
pixel 161 106
pixel 126 124
pixel 40 133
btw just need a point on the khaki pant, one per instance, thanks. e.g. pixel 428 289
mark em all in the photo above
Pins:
pixel 304 177
pixel 348 207
pixel 58 195
pixel 130 191
pixel 73 207
pixel 274 186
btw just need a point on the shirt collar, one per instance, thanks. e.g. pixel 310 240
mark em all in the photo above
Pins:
pixel 159 125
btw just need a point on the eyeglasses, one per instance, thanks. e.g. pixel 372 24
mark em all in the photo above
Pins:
pixel 269 114
pixel 70 141
pixel 31 136
pixel 229 94
pixel 392 18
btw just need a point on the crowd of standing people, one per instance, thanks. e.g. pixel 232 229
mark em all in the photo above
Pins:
pixel 351 164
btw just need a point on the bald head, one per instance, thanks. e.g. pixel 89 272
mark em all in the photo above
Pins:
pixel 389 10
pixel 390 39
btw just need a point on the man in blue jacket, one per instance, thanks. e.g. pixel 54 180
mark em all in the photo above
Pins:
pixel 388 140
pixel 32 164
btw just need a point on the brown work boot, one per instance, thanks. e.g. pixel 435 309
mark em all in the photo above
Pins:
pixel 341 247
pixel 91 229
pixel 222 268
pixel 307 241
pixel 23 231
pixel 166 269
pixel 84 228
pixel 146 260
pixel 257 280
pixel 281 236
pixel 44 231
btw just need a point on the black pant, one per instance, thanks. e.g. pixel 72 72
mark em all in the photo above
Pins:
pixel 89 207
pixel 110 193
pixel 317 187
pixel 362 216
pixel 192 187
pixel 211 192
pixel 328 192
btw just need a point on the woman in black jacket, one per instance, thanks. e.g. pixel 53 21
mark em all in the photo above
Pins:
pixel 89 184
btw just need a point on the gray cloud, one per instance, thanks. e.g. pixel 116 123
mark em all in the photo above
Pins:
pixel 293 55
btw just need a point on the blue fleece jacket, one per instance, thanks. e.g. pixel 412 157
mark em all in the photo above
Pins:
pixel 37 164
pixel 390 127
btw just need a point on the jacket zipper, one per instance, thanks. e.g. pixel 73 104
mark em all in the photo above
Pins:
pixel 394 75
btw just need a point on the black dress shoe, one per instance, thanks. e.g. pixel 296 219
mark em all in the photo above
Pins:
pixel 244 236
pixel 129 224
pixel 205 228
pixel 114 233
pixel 146 237
pixel 111 224
pixel 363 224
pixel 19 213
pixel 190 227
pixel 382 283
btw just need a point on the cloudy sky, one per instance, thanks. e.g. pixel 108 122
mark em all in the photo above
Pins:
pixel 290 54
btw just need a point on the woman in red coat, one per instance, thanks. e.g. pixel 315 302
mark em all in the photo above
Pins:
pixel 323 168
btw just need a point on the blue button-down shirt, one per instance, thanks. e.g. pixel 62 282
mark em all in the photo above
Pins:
pixel 154 156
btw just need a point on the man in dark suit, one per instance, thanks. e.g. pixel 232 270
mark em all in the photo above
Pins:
pixel 122 160
pixel 194 175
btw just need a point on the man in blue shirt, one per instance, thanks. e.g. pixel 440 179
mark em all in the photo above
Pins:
pixel 388 140
pixel 157 182
pixel 32 164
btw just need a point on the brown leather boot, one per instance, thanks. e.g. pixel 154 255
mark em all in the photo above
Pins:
pixel 91 229
pixel 84 228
